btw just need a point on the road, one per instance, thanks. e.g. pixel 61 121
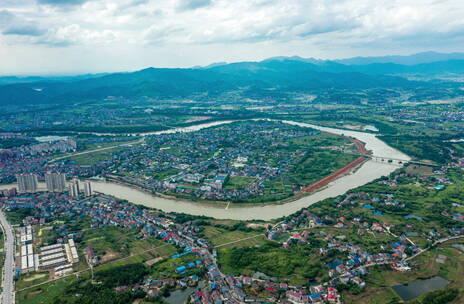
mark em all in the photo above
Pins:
pixel 141 140
pixel 434 244
pixel 8 284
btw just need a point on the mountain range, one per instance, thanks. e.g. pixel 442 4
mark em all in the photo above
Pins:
pixel 286 74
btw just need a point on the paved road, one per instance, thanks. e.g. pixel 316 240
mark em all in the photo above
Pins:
pixel 8 286
pixel 98 150
pixel 434 244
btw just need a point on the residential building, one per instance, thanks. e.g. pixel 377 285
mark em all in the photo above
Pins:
pixel 56 182
pixel 27 182
pixel 88 189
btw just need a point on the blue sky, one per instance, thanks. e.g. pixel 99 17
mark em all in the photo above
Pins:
pixel 76 36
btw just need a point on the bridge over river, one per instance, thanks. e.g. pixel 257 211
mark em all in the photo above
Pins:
pixel 398 161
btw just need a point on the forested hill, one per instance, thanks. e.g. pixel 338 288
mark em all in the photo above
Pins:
pixel 279 74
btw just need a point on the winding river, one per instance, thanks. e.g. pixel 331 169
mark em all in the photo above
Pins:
pixel 367 172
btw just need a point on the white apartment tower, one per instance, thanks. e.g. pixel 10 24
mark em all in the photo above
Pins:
pixel 27 182
pixel 74 187
pixel 88 189
pixel 55 182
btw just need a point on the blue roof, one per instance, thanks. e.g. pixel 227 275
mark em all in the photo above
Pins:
pixel 334 264
pixel 181 269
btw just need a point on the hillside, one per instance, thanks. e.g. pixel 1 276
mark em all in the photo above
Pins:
pixel 283 75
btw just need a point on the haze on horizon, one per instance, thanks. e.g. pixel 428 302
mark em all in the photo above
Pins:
pixel 89 36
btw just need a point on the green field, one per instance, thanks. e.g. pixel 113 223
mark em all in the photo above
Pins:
pixel 93 157
pixel 295 266
pixel 221 237
pixel 238 182
pixel 115 242
pixel 43 294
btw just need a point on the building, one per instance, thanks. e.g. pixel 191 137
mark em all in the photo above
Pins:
pixel 88 189
pixel 8 192
pixel 27 182
pixel 26 249
pixel 52 256
pixel 74 187
pixel 56 182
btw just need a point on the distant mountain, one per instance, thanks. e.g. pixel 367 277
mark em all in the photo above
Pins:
pixel 378 68
pixel 301 76
pixel 255 77
pixel 27 79
pixel 211 65
pixel 415 59
pixel 296 58
pixel 425 69
pixel 419 58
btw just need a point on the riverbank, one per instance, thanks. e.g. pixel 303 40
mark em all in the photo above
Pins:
pixel 369 171
pixel 366 172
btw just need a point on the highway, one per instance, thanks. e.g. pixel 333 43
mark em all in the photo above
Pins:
pixel 7 283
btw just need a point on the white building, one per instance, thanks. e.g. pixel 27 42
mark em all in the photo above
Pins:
pixel 55 182
pixel 74 188
pixel 27 182
pixel 88 189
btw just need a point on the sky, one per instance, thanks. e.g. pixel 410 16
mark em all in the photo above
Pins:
pixel 91 36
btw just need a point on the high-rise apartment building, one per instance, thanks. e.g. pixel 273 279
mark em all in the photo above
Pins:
pixel 55 182
pixel 88 189
pixel 74 187
pixel 27 182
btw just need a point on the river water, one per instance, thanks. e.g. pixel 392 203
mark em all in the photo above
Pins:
pixel 367 172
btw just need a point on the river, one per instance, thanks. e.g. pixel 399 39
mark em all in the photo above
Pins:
pixel 367 172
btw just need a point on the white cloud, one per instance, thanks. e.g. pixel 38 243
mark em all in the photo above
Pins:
pixel 304 27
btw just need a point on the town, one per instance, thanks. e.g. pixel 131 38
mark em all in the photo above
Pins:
pixel 197 262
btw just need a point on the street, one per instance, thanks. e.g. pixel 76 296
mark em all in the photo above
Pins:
pixel 8 285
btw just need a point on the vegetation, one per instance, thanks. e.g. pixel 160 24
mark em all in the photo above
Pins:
pixel 167 268
pixel 7 143
pixel 441 296
pixel 83 292
pixel 16 216
pixel 296 265
pixel 121 275
pixel 421 147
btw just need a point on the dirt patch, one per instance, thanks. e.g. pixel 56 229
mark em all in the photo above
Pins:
pixel 154 261
pixel 257 225
pixel 197 118
pixel 109 255
pixel 419 170
pixel 35 276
